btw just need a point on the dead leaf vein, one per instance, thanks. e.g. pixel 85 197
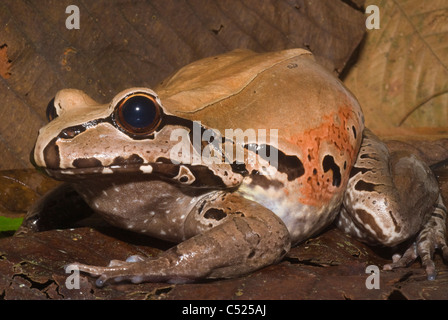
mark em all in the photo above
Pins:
pixel 420 36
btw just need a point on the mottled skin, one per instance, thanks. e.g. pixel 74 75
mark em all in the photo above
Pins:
pixel 228 218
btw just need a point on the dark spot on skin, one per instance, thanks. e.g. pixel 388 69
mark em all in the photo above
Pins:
pixel 291 165
pixel 438 206
pixel 329 164
pixel 215 214
pixel 133 159
pixel 369 156
pixel 437 215
pixel 239 168
pixel 205 178
pixel 361 185
pixel 369 220
pixel 163 160
pixel 87 163
pixel 239 213
pixel 397 226
pixel 167 170
pixel 51 155
pixel 251 254
pixel 356 170
pixel 264 182
pixel 201 207
pixel 354 131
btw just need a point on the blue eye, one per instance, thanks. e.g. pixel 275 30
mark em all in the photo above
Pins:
pixel 138 113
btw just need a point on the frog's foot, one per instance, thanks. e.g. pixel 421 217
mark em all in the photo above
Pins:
pixel 431 237
pixel 135 269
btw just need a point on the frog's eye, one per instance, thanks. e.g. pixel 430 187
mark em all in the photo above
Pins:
pixel 51 112
pixel 138 113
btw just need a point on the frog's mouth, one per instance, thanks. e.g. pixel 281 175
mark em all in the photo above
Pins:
pixel 92 168
pixel 198 176
pixel 94 172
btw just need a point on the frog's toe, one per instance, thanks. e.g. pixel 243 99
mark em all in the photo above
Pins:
pixel 402 261
pixel 422 249
pixel 425 250
pixel 135 258
pixel 92 270
pixel 115 263
pixel 117 269
pixel 433 237
pixel 135 269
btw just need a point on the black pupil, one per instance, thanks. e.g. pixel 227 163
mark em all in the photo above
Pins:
pixel 139 112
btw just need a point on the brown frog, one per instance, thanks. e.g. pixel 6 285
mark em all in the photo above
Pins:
pixel 236 158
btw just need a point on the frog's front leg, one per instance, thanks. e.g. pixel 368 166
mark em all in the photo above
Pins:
pixel 392 198
pixel 227 236
pixel 58 208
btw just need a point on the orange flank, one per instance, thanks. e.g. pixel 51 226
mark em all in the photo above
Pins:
pixel 334 137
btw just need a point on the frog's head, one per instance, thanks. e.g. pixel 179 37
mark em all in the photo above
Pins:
pixel 133 134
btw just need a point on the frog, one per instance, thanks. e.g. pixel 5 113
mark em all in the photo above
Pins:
pixel 162 162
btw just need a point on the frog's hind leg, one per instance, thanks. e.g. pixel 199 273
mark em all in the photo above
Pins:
pixel 392 198
pixel 226 236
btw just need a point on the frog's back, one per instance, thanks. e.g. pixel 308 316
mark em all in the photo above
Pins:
pixel 245 89
pixel 318 125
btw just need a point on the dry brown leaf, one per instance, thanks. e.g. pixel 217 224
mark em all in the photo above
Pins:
pixel 19 189
pixel 5 63
pixel 401 77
